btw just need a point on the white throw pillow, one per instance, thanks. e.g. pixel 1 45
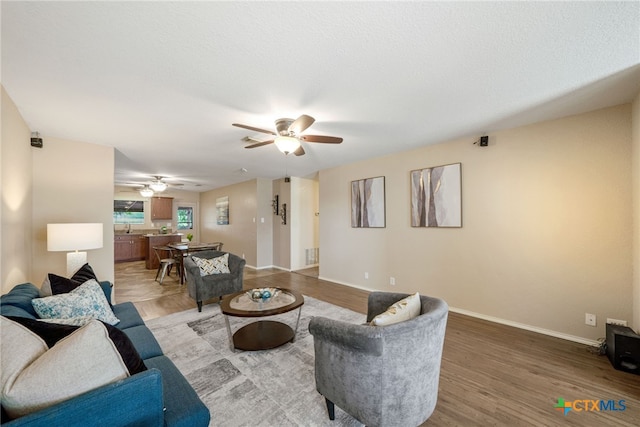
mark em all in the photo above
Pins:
pixel 83 361
pixel 20 347
pixel 405 309
pixel 218 265
pixel 86 300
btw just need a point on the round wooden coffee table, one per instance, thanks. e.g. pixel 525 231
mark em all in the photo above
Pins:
pixel 263 334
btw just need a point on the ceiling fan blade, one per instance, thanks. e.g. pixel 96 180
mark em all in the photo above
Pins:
pixel 321 138
pixel 259 144
pixel 253 128
pixel 300 124
pixel 299 151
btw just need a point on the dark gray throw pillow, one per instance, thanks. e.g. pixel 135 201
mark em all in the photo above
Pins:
pixel 62 285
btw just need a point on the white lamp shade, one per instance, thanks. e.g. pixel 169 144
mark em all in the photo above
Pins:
pixel 287 144
pixel 74 237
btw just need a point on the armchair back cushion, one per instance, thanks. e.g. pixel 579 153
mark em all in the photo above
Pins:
pixel 382 375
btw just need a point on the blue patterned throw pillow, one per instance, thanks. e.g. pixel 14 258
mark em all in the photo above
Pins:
pixel 86 300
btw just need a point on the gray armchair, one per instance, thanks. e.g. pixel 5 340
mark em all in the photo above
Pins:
pixel 202 288
pixel 382 375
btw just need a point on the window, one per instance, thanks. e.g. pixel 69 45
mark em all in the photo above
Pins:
pixel 128 212
pixel 185 218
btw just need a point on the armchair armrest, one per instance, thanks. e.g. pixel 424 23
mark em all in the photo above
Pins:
pixel 359 338
pixel 133 401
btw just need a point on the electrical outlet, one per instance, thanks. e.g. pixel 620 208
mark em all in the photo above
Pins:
pixel 392 281
pixel 617 322
pixel 366 274
pixel 590 319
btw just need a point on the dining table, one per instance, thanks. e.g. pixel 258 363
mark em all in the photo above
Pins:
pixel 183 249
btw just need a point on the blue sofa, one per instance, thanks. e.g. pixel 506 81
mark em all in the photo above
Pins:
pixel 159 396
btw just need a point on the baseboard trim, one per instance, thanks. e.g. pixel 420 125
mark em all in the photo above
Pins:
pixel 264 267
pixel 493 319
pixel 526 327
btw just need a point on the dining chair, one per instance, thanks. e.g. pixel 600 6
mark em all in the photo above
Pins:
pixel 165 263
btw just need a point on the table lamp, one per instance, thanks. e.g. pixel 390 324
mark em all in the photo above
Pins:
pixel 74 237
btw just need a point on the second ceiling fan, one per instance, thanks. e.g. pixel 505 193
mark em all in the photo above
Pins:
pixel 288 135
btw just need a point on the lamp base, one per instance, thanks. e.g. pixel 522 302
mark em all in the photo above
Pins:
pixel 75 260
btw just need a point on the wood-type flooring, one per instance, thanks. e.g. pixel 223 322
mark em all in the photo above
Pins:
pixel 491 374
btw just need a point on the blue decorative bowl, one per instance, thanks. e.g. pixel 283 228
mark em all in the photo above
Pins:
pixel 262 294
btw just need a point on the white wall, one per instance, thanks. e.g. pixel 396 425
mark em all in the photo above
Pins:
pixel 72 182
pixel 15 215
pixel 265 225
pixel 545 236
pixel 282 232
pixel 303 220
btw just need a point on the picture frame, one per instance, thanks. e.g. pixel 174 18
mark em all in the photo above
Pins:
pixel 368 203
pixel 222 210
pixel 436 196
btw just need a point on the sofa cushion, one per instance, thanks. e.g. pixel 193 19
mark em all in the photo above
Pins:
pixel 217 265
pixel 405 309
pixel 55 285
pixel 18 301
pixel 144 341
pixel 86 300
pixel 128 315
pixel 82 361
pixel 183 406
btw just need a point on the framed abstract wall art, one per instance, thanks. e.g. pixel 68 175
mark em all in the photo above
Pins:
pixel 368 203
pixel 222 210
pixel 436 196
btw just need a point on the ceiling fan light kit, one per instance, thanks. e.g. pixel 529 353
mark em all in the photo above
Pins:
pixel 146 192
pixel 287 144
pixel 158 186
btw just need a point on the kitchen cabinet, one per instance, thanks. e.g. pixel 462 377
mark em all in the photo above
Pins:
pixel 152 262
pixel 161 208
pixel 129 247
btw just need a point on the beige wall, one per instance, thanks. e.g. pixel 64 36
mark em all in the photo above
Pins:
pixel 545 236
pixel 72 182
pixel 16 173
pixel 240 235
pixel 636 212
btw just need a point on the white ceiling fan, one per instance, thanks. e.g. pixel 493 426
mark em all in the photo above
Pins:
pixel 288 135
pixel 156 185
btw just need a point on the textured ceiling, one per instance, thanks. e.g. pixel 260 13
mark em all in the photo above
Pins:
pixel 163 81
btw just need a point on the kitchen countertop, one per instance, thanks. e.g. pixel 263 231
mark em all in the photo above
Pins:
pixel 143 233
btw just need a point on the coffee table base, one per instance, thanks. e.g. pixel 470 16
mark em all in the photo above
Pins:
pixel 262 335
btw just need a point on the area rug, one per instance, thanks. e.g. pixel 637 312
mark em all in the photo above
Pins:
pixel 251 388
